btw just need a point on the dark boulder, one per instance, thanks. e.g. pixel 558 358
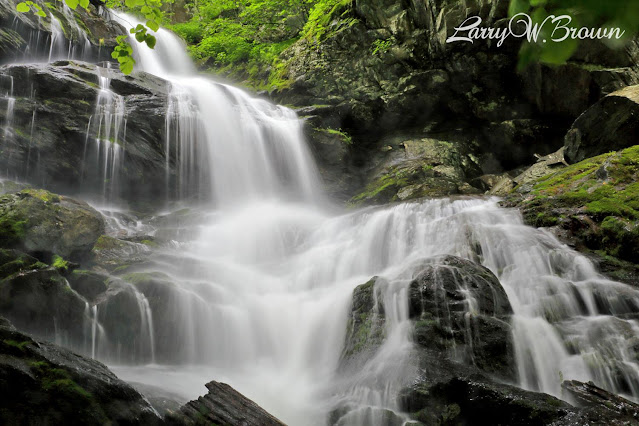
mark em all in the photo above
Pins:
pixel 609 125
pixel 41 383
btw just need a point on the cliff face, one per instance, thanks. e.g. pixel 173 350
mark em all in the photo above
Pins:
pixel 382 73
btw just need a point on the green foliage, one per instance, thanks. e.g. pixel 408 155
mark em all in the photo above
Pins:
pixel 321 16
pixel 29 6
pixel 60 264
pixel 621 14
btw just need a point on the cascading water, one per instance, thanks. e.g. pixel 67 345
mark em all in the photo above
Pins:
pixel 264 290
pixel 259 288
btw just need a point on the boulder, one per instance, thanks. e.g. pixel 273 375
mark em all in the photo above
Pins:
pixel 37 221
pixel 222 405
pixel 41 383
pixel 609 125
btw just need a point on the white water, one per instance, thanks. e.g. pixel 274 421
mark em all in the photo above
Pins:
pixel 264 290
pixel 260 295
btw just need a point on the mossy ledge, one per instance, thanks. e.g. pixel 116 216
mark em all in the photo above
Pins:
pixel 594 202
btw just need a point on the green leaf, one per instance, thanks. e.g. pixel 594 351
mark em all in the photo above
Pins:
pixel 518 6
pixel 71 3
pixel 41 13
pixel 23 8
pixel 140 36
pixel 153 25
pixel 150 41
pixel 84 3
pixel 127 67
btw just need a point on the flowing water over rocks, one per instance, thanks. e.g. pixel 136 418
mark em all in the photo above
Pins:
pixel 252 282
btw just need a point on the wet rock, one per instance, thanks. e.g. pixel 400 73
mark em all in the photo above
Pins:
pixel 461 310
pixel 37 299
pixel 52 137
pixel 604 403
pixel 88 284
pixel 609 125
pixel 115 255
pixel 37 221
pixel 223 405
pixel 41 383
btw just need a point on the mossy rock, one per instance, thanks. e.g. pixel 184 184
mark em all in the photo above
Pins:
pixel 595 200
pixel 38 221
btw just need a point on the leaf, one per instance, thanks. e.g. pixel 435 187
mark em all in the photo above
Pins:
pixel 23 7
pixel 140 36
pixel 150 41
pixel 71 3
pixel 41 13
pixel 127 67
pixel 518 6
pixel 84 3
pixel 153 25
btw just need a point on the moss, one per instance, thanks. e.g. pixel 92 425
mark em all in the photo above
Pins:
pixel 19 346
pixel 149 243
pixel 345 137
pixel 12 230
pixel 107 243
pixel 42 195
pixel 59 263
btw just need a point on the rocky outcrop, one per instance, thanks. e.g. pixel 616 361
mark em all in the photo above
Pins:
pixel 41 383
pixel 460 314
pixel 420 167
pixel 62 33
pixel 609 125
pixel 223 405
pixel 58 137
pixel 46 224
pixel 378 69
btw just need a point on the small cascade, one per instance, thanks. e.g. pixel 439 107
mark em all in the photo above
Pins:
pixel 57 43
pixel 10 106
pixel 109 134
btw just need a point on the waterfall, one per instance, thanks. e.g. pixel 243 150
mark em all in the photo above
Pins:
pixel 261 296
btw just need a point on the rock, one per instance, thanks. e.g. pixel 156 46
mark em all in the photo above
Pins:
pixel 544 166
pixel 52 136
pixel 41 383
pixel 421 167
pixel 602 401
pixel 37 299
pixel 459 304
pixel 88 284
pixel 223 405
pixel 37 221
pixel 609 125
pixel 115 255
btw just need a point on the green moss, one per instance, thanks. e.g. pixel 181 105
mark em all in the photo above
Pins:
pixel 19 346
pixel 12 231
pixel 42 195
pixel 59 263
pixel 149 243
pixel 345 137
pixel 107 243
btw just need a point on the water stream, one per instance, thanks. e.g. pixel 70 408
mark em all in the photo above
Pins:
pixel 261 285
